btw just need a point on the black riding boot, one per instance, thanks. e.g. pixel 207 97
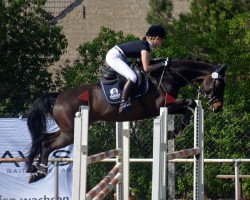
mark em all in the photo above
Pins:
pixel 127 90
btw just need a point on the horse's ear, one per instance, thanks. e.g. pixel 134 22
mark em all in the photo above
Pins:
pixel 222 70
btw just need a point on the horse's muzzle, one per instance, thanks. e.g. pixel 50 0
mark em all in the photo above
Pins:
pixel 216 107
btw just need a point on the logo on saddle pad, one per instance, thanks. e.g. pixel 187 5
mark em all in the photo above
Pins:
pixel 114 93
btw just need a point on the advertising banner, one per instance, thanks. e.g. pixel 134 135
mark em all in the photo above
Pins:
pixel 15 141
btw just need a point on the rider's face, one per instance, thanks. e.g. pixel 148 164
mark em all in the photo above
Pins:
pixel 158 41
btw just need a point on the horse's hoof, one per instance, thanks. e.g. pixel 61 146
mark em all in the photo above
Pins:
pixel 191 103
pixel 178 133
pixel 36 177
pixel 174 134
pixel 31 169
pixel 171 135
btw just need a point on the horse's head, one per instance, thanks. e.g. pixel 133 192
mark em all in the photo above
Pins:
pixel 182 72
pixel 213 86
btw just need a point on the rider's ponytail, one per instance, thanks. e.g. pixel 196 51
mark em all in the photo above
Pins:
pixel 144 38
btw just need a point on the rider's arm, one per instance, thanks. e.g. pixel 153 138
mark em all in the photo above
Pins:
pixel 145 58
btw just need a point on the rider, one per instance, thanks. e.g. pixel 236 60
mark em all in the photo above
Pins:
pixel 116 59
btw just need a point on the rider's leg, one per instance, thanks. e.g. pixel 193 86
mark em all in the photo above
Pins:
pixel 117 62
pixel 127 90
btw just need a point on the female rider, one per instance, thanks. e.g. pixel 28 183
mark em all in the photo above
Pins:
pixel 116 59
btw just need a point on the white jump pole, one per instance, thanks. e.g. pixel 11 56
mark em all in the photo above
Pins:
pixel 160 156
pixel 122 142
pixel 159 174
pixel 125 159
pixel 80 154
pixel 81 159
pixel 198 193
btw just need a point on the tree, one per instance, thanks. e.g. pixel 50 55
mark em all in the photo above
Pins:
pixel 92 56
pixel 28 45
pixel 161 12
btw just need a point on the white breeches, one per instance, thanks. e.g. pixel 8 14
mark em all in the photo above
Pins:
pixel 116 61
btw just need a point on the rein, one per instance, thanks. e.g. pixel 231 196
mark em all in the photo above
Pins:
pixel 162 75
pixel 189 82
pixel 168 67
pixel 215 75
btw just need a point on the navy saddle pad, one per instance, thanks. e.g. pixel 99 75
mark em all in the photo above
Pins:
pixel 113 91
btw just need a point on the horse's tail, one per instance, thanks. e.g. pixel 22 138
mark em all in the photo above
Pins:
pixel 40 109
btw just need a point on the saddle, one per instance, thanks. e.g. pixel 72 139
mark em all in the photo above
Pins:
pixel 112 84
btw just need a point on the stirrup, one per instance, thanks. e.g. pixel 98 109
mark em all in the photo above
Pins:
pixel 125 106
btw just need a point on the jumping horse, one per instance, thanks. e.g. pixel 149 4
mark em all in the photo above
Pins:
pixel 163 89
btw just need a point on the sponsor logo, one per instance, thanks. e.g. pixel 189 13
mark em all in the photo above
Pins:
pixel 114 93
pixel 55 154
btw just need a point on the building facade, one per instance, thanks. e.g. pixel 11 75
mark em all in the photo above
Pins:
pixel 82 19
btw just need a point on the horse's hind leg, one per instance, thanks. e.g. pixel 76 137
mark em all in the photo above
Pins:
pixel 31 166
pixel 50 143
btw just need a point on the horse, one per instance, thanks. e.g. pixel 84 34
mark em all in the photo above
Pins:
pixel 163 88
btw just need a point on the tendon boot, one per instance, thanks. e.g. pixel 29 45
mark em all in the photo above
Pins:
pixel 127 90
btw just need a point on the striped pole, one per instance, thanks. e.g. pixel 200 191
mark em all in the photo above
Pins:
pixel 101 156
pixel 91 159
pixel 183 153
pixel 104 192
pixel 104 182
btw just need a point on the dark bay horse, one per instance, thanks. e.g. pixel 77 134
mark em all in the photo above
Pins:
pixel 166 81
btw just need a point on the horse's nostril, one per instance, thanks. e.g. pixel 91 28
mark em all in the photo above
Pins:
pixel 216 107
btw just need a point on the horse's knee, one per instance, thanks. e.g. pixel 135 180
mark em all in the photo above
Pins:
pixel 186 120
pixel 178 130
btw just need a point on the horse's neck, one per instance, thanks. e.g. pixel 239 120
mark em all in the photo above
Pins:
pixel 184 73
pixel 193 71
pixel 164 86
pixel 180 74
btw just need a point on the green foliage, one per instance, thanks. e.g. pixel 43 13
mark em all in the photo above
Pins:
pixel 216 31
pixel 161 12
pixel 28 46
pixel 92 56
pixel 100 141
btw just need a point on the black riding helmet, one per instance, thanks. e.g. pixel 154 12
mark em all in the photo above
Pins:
pixel 156 30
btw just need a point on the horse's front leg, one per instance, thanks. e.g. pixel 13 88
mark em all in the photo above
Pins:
pixel 186 108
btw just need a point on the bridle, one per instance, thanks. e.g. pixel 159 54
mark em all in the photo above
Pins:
pixel 212 98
